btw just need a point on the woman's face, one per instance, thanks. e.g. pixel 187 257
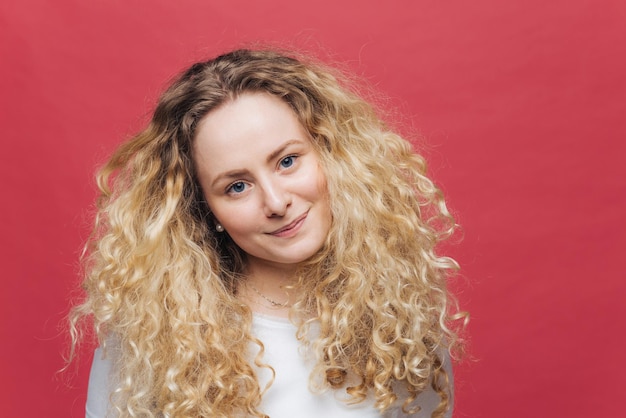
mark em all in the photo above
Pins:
pixel 262 180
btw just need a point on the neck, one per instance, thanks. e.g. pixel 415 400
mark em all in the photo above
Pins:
pixel 267 288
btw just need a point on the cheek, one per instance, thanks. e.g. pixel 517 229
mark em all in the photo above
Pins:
pixel 321 187
pixel 232 218
pixel 317 178
pixel 225 215
pixel 321 196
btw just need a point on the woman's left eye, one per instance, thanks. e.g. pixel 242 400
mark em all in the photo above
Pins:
pixel 287 161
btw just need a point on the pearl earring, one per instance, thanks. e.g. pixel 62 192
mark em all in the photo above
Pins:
pixel 219 228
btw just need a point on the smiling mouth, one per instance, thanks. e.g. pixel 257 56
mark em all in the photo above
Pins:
pixel 292 227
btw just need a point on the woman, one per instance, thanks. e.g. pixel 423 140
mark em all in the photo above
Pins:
pixel 267 246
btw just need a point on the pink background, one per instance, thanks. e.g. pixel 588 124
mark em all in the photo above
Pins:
pixel 522 103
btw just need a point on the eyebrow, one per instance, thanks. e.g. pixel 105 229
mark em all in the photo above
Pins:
pixel 243 172
pixel 229 175
pixel 282 149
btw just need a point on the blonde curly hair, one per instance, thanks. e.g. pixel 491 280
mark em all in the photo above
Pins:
pixel 163 286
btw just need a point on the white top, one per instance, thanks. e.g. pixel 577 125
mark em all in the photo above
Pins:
pixel 289 395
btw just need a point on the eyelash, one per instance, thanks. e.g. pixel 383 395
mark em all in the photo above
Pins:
pixel 230 188
pixel 290 158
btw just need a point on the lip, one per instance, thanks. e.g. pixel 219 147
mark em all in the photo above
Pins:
pixel 292 228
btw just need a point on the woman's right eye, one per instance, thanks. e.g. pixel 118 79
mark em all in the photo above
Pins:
pixel 237 187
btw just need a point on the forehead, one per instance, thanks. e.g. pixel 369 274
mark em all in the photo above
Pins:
pixel 243 130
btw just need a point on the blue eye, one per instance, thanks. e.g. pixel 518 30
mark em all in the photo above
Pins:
pixel 287 161
pixel 238 187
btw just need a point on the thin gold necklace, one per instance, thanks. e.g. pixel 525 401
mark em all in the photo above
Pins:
pixel 272 302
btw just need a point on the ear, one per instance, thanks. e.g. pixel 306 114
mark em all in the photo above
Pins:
pixel 216 223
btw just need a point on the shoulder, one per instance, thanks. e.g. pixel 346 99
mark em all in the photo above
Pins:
pixel 100 383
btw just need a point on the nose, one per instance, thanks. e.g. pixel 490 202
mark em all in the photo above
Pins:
pixel 276 199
